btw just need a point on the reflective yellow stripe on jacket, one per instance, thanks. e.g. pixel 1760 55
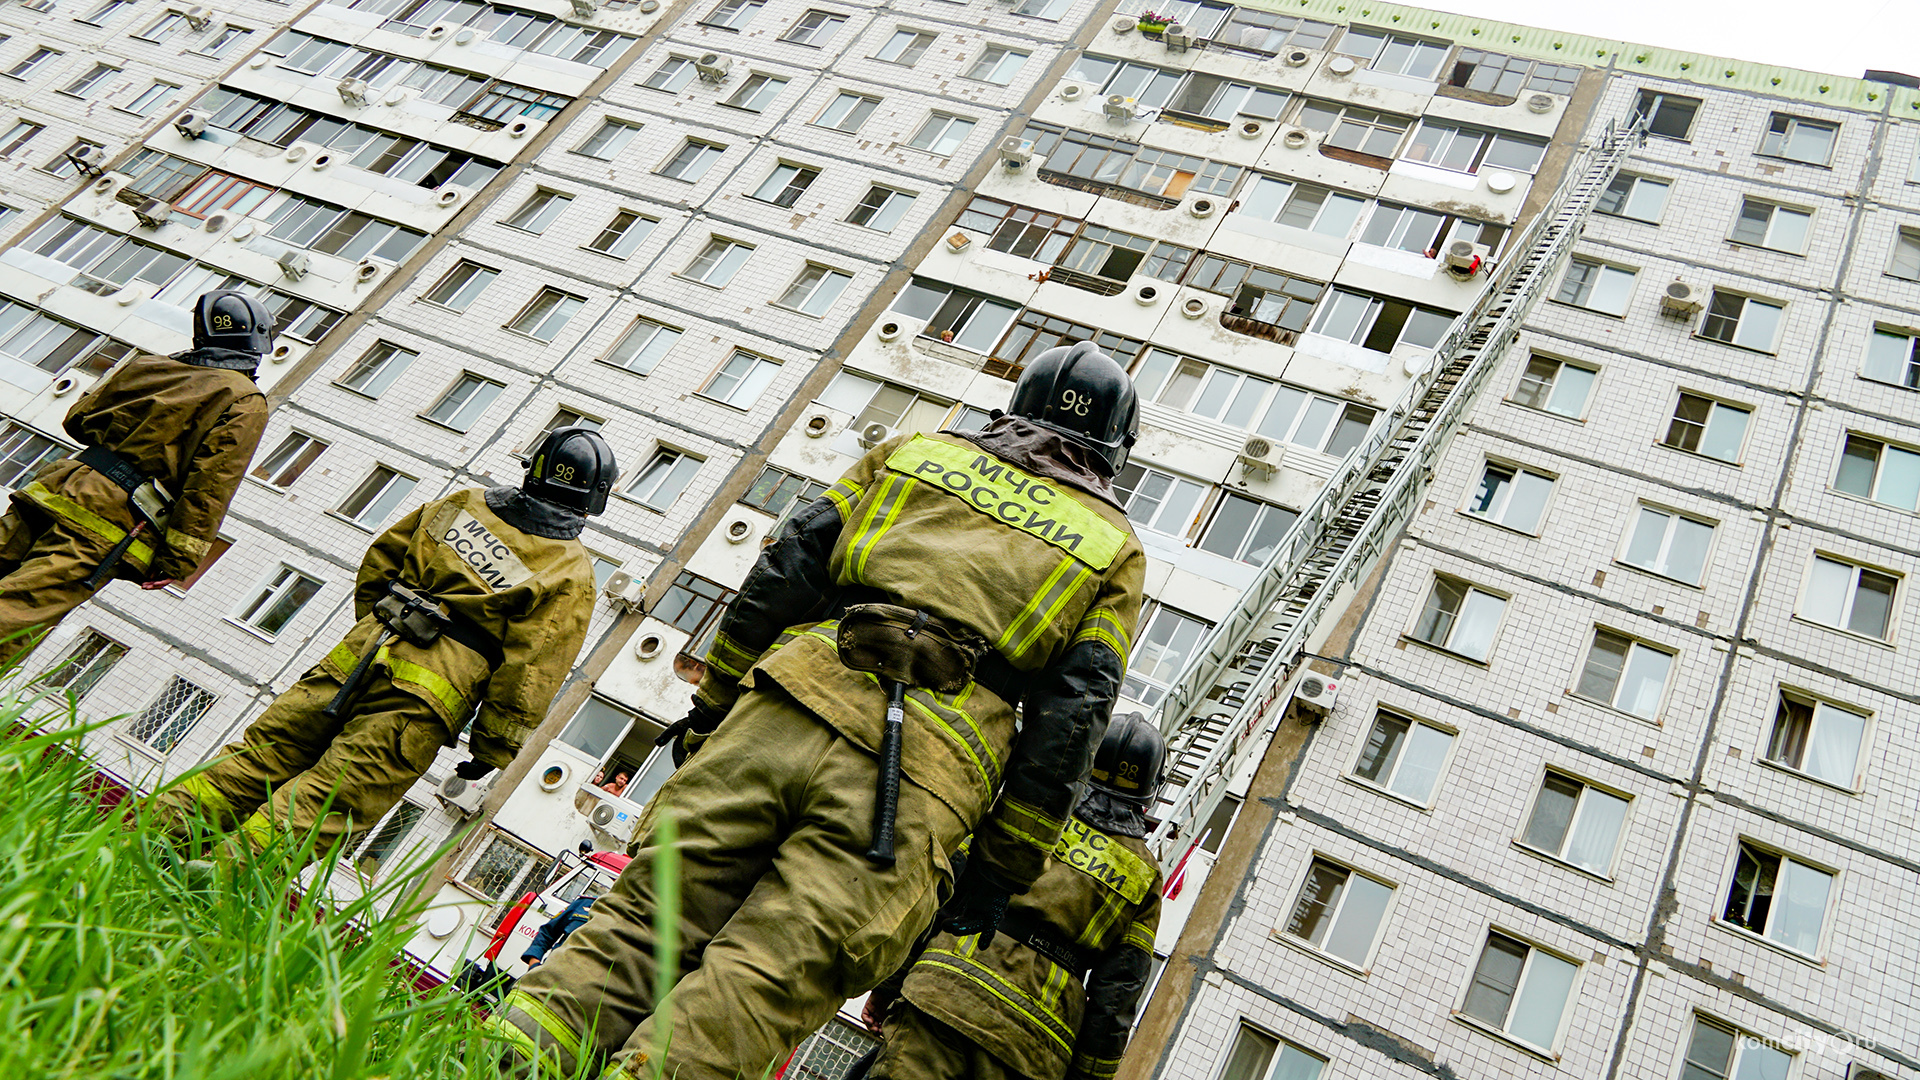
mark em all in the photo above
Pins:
pixel 140 553
pixel 1043 1015
pixel 431 681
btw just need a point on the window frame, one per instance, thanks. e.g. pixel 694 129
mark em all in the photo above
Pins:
pixel 692 155
pixel 1399 759
pixel 1772 736
pixel 1634 182
pixel 974 70
pixel 946 122
pixel 912 44
pixel 789 189
pixel 623 242
pixel 669 459
pixel 84 86
pixel 758 375
pixel 1724 897
pixel 732 15
pixel 675 74
pixel 378 371
pixel 1455 618
pixel 618 134
pixel 1612 701
pixel 880 209
pixel 1772 219
pixel 652 337
pixel 299 457
pixel 1284 932
pixel 1670 533
pixel 1504 496
pixel 814 290
pixel 1877 481
pixel 1857 570
pixel 1739 1041
pixel 1143 651
pixel 359 519
pixel 755 92
pixel 831 21
pixel 1709 314
pixel 61 675
pixel 1788 125
pixel 1587 286
pixel 1236 1066
pixel 1559 857
pixel 1262 510
pixel 1656 99
pixel 476 386
pixel 1501 1030
pixel 719 248
pixel 168 724
pixel 1906 249
pixel 528 310
pixel 1911 361
pixel 872 105
pixel 267 597
pixel 538 213
pixel 1674 418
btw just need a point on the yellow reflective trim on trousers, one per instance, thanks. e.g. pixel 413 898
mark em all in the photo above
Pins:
pixel 886 509
pixel 1005 645
pixel 972 746
pixel 426 678
pixel 1051 611
pixel 537 1011
pixel 999 490
pixel 208 796
pixel 1016 999
pixel 259 830
pixel 140 553
pixel 522 1043
pixel 187 545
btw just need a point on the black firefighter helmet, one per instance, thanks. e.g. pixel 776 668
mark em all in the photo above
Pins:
pixel 225 319
pixel 573 467
pixel 1080 392
pixel 1129 758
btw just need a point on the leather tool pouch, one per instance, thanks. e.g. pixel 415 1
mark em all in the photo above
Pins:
pixel 903 645
pixel 414 617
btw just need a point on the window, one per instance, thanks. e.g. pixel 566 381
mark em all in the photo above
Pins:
pixel 1906 256
pixel 1203 97
pixel 1893 357
pixel 1253 1058
pixel 1280 303
pixel 1596 286
pixel 386 842
pixel 1849 597
pixel 625 233
pixel 1710 428
pixel 815 28
pixel 159 29
pixel 85 85
pixel 333 230
pixel 969 320
pixel 1717 1052
pixel 1816 738
pixel 847 112
pixel 607 142
pixel 1575 822
pixel 1150 87
pixel 673 75
pixel 1511 496
pixel 757 92
pixel 777 490
pixel 1395 54
pixel 1404 228
pixel 25 68
pixel 872 402
pixel 63 165
pixel 1880 471
pixel 1669 544
pixel 642 346
pixel 1020 231
pixel 1762 224
pixel 562 417
pixel 1465 149
pixel 785 185
pixel 1779 898
pixel 740 380
pixel 1036 331
pixel 1167 638
pixel 50 344
pixel 1113 257
pixel 1504 76
pixel 1380 324
pixel 374 372
pixel 1798 139
pixel 18 136
pixel 695 605
pixel 881 209
pixel 1625 674
pixel 502 872
pixel 1156 500
pixel 692 161
pixel 1246 529
pixel 905 47
pixel 86 663
pixel 941 134
pixel 464 401
pixel 169 717
pixel 539 211
pixel 1042 9
pixel 1459 618
pixel 1668 115
pixel 1404 757
pixel 664 477
pixel 461 285
pixel 300 319
pixel 1171 175
pixel 815 290
pixel 1321 424
pixel 547 314
pixel 290 459
pixel 997 64
pixel 597 728
pixel 100 15
pixel 279 601
pixel 1339 912
pixel 223 42
pixel 22 452
pixel 1349 128
pixel 1520 990
pixel 717 262
pixel 1638 197
pixel 732 14
pixel 153 98
pixel 377 497
pixel 1303 206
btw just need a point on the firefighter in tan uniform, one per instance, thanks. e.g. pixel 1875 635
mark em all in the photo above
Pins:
pixel 1055 992
pixel 164 441
pixel 477 599
pixel 898 618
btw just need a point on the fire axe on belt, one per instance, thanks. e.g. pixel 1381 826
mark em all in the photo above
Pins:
pixel 413 616
pixel 149 501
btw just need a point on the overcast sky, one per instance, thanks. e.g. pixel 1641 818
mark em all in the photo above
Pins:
pixel 1850 37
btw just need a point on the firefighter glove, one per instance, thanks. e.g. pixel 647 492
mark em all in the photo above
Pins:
pixel 472 770
pixel 979 903
pixel 691 730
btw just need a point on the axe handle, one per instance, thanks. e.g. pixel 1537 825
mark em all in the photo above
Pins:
pixel 348 689
pixel 887 805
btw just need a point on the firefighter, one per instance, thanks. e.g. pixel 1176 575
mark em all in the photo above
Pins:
pixel 475 603
pixel 897 619
pixel 1055 993
pixel 164 442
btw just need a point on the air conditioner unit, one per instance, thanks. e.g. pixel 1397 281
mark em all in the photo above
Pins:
pixel 296 265
pixel 1260 454
pixel 1315 693
pixel 353 91
pixel 198 16
pixel 153 213
pixel 1119 106
pixel 190 124
pixel 713 67
pixel 462 794
pixel 1464 257
pixel 91 160
pixel 873 435
pixel 624 589
pixel 1015 152
pixel 615 816
pixel 1177 38
pixel 584 9
pixel 1681 299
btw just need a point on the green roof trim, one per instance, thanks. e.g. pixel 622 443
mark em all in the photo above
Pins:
pixel 1706 70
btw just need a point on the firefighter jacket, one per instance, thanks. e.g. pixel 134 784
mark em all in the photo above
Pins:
pixel 1049 575
pixel 1100 899
pixel 194 429
pixel 532 595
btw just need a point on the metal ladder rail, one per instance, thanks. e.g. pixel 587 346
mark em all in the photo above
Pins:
pixel 1348 524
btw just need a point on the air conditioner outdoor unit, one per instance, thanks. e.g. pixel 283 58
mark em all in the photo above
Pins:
pixel 190 124
pixel 296 265
pixel 91 160
pixel 153 213
pixel 623 589
pixel 615 816
pixel 1464 257
pixel 1260 454
pixel 873 435
pixel 584 9
pixel 1119 106
pixel 1681 299
pixel 1177 38
pixel 713 67
pixel 1015 152
pixel 462 794
pixel 1315 693
pixel 353 91
pixel 198 16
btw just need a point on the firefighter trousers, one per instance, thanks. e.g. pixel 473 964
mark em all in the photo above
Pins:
pixel 782 916
pixel 921 1047
pixel 44 565
pixel 297 769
